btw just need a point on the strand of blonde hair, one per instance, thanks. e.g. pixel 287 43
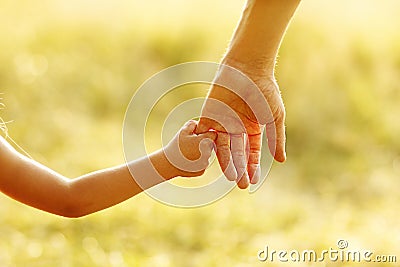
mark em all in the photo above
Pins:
pixel 4 131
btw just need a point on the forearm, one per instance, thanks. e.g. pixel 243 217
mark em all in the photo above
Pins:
pixel 105 188
pixel 259 34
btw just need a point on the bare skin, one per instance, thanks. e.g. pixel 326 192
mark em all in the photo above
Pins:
pixel 253 51
pixel 29 182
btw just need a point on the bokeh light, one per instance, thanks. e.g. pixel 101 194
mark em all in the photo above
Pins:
pixel 69 68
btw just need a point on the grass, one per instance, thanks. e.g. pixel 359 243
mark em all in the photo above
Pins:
pixel 68 70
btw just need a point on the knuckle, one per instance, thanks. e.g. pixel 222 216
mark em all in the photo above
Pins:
pixel 279 112
pixel 238 153
pixel 254 158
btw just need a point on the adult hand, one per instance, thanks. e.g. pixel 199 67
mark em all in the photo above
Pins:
pixel 239 110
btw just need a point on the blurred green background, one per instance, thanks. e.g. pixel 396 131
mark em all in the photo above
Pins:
pixel 69 68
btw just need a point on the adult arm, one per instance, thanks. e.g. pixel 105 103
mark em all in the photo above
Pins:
pixel 253 51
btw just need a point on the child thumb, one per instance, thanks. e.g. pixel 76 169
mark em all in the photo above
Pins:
pixel 189 127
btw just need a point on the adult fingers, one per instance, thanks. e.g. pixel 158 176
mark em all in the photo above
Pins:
pixel 224 156
pixel 253 165
pixel 276 138
pixel 204 125
pixel 239 160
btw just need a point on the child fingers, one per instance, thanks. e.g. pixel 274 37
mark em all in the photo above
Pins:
pixel 207 143
pixel 206 148
pixel 208 135
pixel 189 127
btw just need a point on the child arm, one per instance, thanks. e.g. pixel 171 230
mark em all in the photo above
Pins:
pixel 38 186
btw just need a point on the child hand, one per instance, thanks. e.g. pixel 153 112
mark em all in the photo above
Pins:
pixel 188 152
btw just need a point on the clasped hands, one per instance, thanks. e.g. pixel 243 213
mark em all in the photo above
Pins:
pixel 242 103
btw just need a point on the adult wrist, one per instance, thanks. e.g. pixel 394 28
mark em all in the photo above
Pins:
pixel 252 67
